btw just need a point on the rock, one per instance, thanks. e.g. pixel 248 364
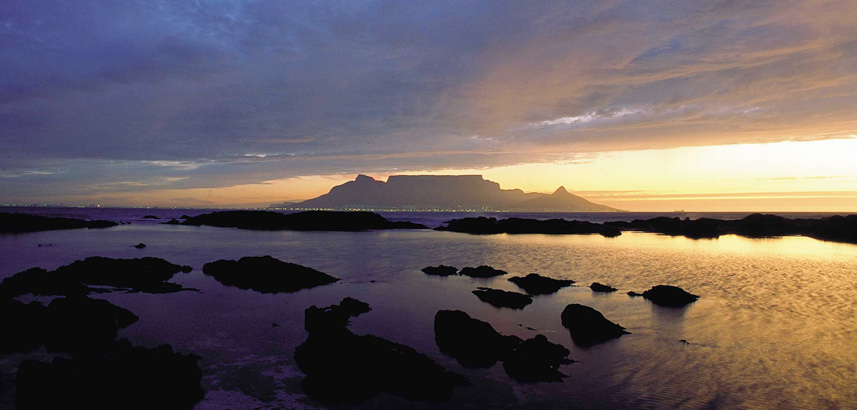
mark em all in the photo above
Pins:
pixel 483 271
pixel 299 221
pixel 588 326
pixel 184 216
pixel 486 226
pixel 149 275
pixel 342 367
pixel 83 325
pixel 472 342
pixel 441 270
pixel 597 287
pixel 140 245
pixel 151 217
pixel 266 274
pixel 536 360
pixel 669 296
pixel 501 298
pixel 634 294
pixel 173 222
pixel 125 377
pixel 20 223
pixel 22 326
pixel 535 284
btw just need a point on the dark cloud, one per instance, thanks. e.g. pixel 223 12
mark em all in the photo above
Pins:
pixel 94 93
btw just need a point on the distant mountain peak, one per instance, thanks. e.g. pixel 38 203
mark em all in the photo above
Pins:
pixel 364 178
pixel 560 190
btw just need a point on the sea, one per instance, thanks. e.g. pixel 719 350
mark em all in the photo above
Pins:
pixel 775 326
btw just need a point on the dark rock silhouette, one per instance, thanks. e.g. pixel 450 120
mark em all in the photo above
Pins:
pixel 475 343
pixel 598 287
pixel 82 325
pixel 266 274
pixel 535 284
pixel 140 245
pixel 472 342
pixel 20 223
pixel 486 226
pixel 300 221
pixel 125 377
pixel 482 271
pixel 669 296
pixel 184 216
pixel 536 360
pixel 151 217
pixel 503 299
pixel 22 326
pixel 342 367
pixel 634 294
pixel 588 326
pixel 441 270
pixel 173 222
pixel 149 275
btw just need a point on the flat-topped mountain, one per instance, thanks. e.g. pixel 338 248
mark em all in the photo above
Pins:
pixel 428 192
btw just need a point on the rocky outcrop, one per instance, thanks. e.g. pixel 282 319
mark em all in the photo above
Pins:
pixel 96 274
pixel 588 326
pixel 441 270
pixel 300 221
pixel 475 343
pixel 124 376
pixel 20 223
pixel 482 271
pixel 535 284
pixel 486 226
pixel 503 299
pixel 598 287
pixel 342 367
pixel 266 274
pixel 669 296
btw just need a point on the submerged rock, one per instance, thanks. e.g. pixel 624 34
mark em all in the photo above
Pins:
pixel 441 270
pixel 669 296
pixel 96 274
pixel 20 223
pixel 266 274
pixel 342 367
pixel 125 377
pixel 597 287
pixel 299 221
pixel 535 284
pixel 588 326
pixel 501 298
pixel 483 271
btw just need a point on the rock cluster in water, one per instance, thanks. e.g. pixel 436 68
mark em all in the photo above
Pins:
pixel 503 299
pixel 588 326
pixel 342 367
pixel 482 271
pixel 535 284
pixel 669 296
pixel 475 343
pixel 440 270
pixel 266 274
pixel 598 287
pixel 300 221
pixel 486 226
pixel 20 223
pixel 96 275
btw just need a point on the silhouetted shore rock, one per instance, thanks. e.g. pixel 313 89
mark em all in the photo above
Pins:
pixel 503 299
pixel 482 271
pixel 22 326
pixel 149 275
pixel 20 223
pixel 173 222
pixel 266 274
pixel 598 287
pixel 833 228
pixel 125 376
pixel 588 326
pixel 151 217
pixel 300 221
pixel 669 296
pixel 485 226
pixel 140 245
pixel 536 284
pixel 441 270
pixel 634 294
pixel 342 367
pixel 475 343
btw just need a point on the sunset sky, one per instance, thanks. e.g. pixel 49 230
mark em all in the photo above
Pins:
pixel 641 105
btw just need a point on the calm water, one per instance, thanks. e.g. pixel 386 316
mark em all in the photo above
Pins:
pixel 775 328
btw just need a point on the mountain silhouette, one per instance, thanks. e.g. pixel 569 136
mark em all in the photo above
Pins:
pixel 442 192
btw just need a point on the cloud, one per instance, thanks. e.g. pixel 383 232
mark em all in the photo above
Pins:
pixel 239 91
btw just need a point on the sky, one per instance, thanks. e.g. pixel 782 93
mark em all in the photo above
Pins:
pixel 642 105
